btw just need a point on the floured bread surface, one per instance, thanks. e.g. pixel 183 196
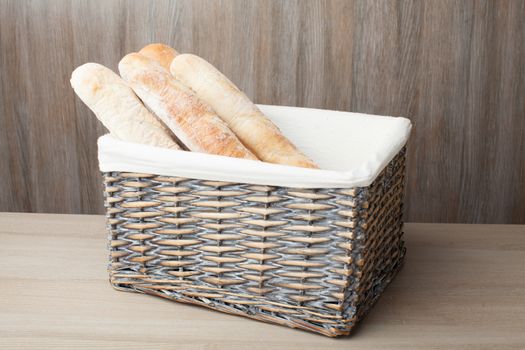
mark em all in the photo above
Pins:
pixel 252 127
pixel 161 53
pixel 194 123
pixel 117 107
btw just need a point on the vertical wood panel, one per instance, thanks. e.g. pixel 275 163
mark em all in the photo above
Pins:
pixel 15 194
pixel 40 141
pixel 455 68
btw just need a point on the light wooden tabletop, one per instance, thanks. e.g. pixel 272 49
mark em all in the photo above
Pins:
pixel 462 287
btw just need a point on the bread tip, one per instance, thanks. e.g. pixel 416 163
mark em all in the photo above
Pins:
pixel 128 60
pixel 158 47
pixel 132 57
pixel 83 71
pixel 128 57
pixel 188 60
pixel 160 53
pixel 186 56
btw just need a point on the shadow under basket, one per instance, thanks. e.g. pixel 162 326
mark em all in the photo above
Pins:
pixel 314 259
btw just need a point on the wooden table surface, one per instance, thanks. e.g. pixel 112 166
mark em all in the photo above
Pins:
pixel 462 287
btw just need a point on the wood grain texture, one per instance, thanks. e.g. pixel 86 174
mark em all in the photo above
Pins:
pixel 460 288
pixel 455 68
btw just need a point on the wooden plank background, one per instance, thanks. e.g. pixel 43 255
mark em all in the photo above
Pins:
pixel 455 68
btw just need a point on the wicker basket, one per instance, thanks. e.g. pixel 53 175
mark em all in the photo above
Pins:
pixel 314 259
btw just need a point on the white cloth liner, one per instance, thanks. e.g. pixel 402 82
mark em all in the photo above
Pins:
pixel 350 148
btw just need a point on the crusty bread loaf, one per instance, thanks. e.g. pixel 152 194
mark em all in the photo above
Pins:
pixel 194 123
pixel 161 53
pixel 117 107
pixel 250 125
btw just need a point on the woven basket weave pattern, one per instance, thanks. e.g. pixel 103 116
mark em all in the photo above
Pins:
pixel 314 259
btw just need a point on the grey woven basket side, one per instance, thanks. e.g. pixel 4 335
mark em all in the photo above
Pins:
pixel 314 259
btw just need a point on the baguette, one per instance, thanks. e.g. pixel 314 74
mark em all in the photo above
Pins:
pixel 117 107
pixel 194 123
pixel 250 125
pixel 161 53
